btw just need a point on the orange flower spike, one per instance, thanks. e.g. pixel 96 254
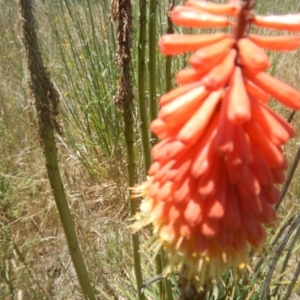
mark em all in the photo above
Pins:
pixel 290 22
pixel 252 56
pixel 209 56
pixel 277 43
pixel 284 93
pixel 195 126
pixel 214 8
pixel 189 17
pixel 238 110
pixel 256 92
pixel 220 74
pixel 172 44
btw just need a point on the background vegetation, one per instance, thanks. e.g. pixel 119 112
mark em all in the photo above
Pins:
pixel 78 42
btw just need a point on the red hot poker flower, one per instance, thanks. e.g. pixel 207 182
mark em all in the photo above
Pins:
pixel 211 187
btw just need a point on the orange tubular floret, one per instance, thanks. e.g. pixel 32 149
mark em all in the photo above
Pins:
pixel 189 17
pixel 251 56
pixel 284 93
pixel 289 22
pixel 225 133
pixel 241 154
pixel 221 73
pixel 183 105
pixel 278 132
pixel 186 76
pixel 214 8
pixel 209 56
pixel 195 126
pixel 267 149
pixel 277 43
pixel 173 94
pixel 238 110
pixel 256 92
pixel 172 44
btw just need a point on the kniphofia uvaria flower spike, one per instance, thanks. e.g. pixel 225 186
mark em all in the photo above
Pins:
pixel 212 185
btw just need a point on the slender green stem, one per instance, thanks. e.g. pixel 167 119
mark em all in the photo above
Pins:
pixel 141 85
pixel 152 63
pixel 46 102
pixel 123 14
pixel 168 69
pixel 168 74
pixel 153 102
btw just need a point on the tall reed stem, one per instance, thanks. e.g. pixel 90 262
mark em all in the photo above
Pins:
pixel 168 68
pixel 152 63
pixel 141 85
pixel 46 102
pixel 122 12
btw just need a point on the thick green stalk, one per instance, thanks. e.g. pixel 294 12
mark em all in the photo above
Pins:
pixel 122 12
pixel 142 86
pixel 46 102
pixel 152 63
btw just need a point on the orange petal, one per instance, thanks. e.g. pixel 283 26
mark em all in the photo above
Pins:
pixel 238 110
pixel 268 215
pixel 266 148
pixel 256 92
pixel 186 76
pixel 189 17
pixel 172 44
pixel 277 43
pixel 162 128
pixel 197 124
pixel 276 128
pixel 242 153
pixel 260 169
pixel 210 227
pixel 220 74
pixel 193 213
pixel 208 182
pixel 224 137
pixel 251 56
pixel 205 154
pixel 185 190
pixel 214 8
pixel 175 93
pixel 271 195
pixel 284 93
pixel 232 216
pixel 215 206
pixel 209 56
pixel 184 106
pixel 289 22
pixel 278 176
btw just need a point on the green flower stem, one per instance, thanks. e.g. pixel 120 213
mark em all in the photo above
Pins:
pixel 141 86
pixel 46 102
pixel 152 63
